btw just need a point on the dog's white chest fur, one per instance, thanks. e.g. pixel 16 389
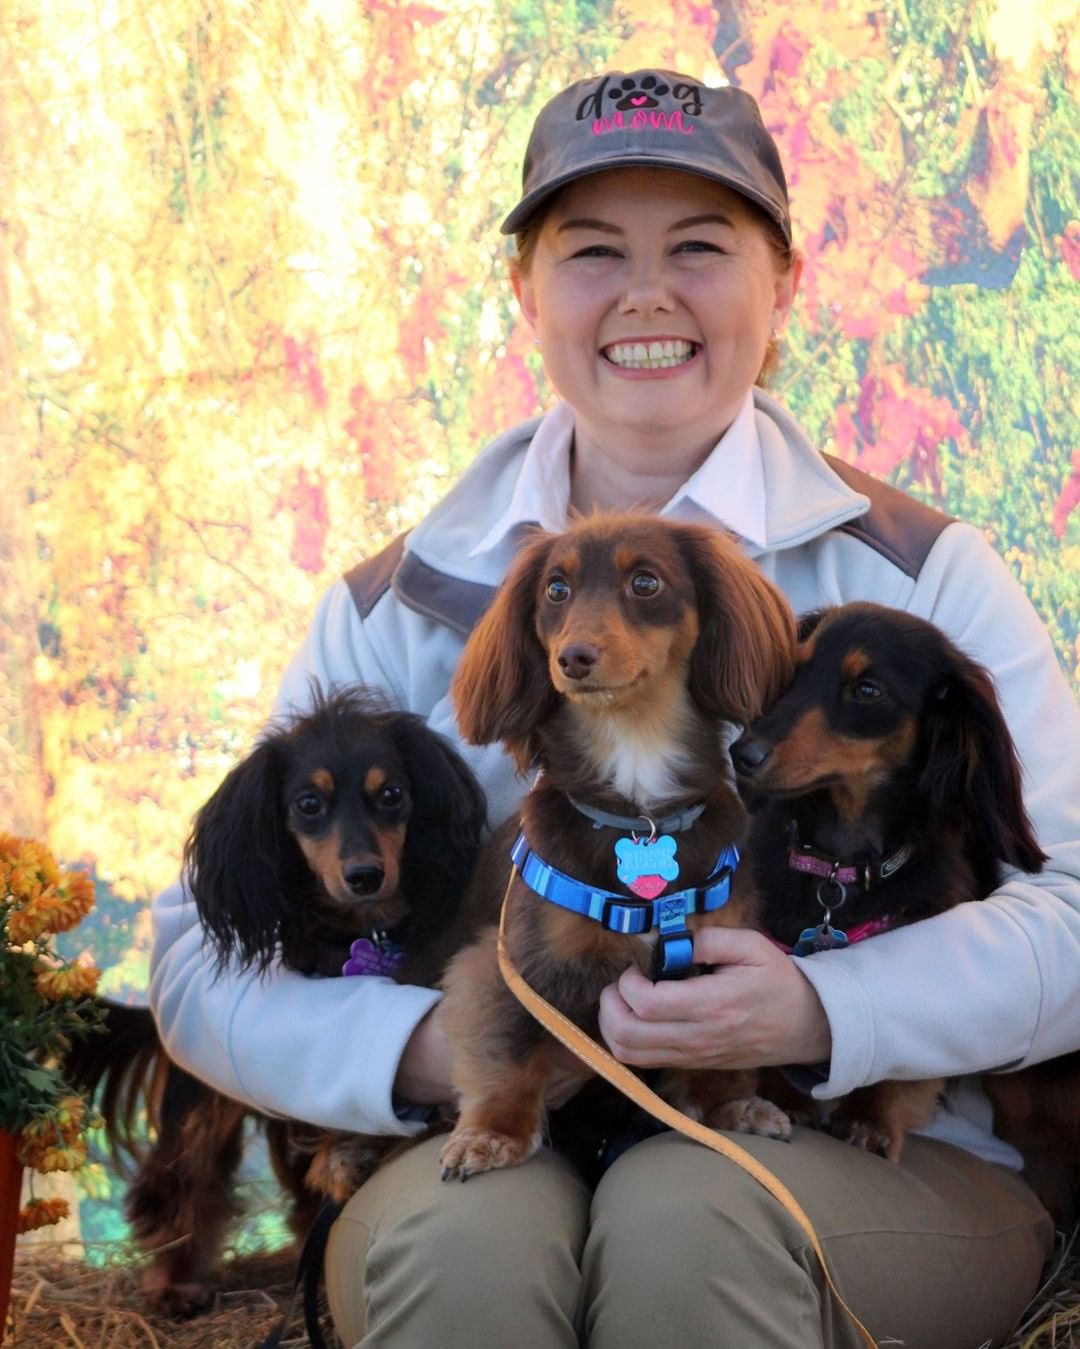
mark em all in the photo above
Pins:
pixel 643 760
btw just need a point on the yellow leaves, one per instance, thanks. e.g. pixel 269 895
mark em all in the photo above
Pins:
pixel 676 36
pixel 1025 32
pixel 263 322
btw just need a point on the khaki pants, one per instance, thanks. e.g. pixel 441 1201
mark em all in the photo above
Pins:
pixel 680 1249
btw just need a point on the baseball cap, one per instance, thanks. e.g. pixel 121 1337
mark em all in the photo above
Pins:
pixel 654 118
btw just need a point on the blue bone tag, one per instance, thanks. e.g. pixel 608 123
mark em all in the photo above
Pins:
pixel 639 862
pixel 821 938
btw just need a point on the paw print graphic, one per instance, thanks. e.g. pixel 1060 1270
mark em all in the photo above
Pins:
pixel 630 95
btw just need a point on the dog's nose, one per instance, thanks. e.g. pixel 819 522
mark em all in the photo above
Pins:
pixel 363 879
pixel 748 754
pixel 577 660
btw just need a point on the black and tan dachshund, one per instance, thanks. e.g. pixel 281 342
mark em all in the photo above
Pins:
pixel 885 787
pixel 352 822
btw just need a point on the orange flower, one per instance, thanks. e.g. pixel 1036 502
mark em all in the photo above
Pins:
pixel 69 981
pixel 75 901
pixel 32 921
pixel 41 1213
pixel 45 1157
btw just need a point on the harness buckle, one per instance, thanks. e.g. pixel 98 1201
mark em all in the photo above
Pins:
pixel 630 907
pixel 673 957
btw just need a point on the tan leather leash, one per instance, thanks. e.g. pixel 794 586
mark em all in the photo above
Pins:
pixel 600 1061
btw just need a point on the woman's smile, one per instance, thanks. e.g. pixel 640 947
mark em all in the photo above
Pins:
pixel 647 356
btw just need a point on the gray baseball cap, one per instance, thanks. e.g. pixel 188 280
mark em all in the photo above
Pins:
pixel 655 118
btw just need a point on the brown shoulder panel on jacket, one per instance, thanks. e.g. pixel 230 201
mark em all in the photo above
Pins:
pixel 369 580
pixel 896 525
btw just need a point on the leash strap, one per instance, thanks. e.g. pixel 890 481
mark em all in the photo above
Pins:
pixel 609 1068
pixel 308 1269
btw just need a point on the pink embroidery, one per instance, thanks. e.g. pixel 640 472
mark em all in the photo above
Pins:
pixel 640 120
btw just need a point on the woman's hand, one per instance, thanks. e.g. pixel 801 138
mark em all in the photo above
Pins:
pixel 753 1009
pixel 424 1075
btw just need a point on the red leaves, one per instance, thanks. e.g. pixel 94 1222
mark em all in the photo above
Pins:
pixel 506 394
pixel 375 438
pixel 303 369
pixel 305 499
pixel 1069 243
pixel 1069 498
pixel 895 421
pixel 423 325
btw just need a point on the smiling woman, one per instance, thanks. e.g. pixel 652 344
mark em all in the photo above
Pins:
pixel 655 260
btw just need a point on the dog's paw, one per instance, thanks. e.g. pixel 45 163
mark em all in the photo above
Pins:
pixel 751 1115
pixel 471 1150
pixel 861 1133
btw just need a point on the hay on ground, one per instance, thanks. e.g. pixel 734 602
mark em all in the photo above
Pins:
pixel 66 1304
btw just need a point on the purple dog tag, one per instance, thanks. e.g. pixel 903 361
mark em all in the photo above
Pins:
pixel 368 957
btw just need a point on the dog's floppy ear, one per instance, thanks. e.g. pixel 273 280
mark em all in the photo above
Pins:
pixel 807 624
pixel 745 654
pixel 445 829
pixel 972 769
pixel 242 863
pixel 501 687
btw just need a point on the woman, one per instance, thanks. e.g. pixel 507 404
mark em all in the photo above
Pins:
pixel 655 264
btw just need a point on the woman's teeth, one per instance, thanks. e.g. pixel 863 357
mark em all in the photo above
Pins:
pixel 649 355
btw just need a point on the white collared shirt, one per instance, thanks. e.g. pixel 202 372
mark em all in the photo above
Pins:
pixel 728 489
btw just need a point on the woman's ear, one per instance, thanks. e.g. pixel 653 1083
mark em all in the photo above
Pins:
pixel 525 293
pixel 786 288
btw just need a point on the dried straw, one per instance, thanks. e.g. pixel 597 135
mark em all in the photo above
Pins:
pixel 58 1304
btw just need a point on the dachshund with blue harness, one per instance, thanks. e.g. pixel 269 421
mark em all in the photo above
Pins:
pixel 611 665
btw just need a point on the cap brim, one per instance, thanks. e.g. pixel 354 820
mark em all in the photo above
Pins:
pixel 519 216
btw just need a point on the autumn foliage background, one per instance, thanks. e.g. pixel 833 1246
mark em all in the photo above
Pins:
pixel 254 319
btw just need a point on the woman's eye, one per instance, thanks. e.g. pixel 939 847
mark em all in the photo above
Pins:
pixel 558 590
pixel 865 691
pixel 698 246
pixel 596 251
pixel 309 804
pixel 391 796
pixel 644 584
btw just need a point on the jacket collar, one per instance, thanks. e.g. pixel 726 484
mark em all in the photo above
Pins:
pixel 445 577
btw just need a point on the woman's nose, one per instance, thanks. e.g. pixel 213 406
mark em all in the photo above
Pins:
pixel 647 290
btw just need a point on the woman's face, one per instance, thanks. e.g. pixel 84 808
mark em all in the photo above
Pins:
pixel 653 294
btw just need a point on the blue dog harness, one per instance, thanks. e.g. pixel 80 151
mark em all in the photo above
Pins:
pixel 667 913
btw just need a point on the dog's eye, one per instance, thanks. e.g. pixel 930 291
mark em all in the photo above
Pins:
pixel 391 796
pixel 865 691
pixel 558 590
pixel 644 584
pixel 309 804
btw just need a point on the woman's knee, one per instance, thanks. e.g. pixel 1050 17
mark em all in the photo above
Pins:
pixel 412 1258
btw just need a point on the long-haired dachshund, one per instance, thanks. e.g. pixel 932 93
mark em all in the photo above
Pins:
pixel 608 665
pixel 346 836
pixel 885 787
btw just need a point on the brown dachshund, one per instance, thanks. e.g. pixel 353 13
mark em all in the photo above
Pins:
pixel 609 665
pixel 885 788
